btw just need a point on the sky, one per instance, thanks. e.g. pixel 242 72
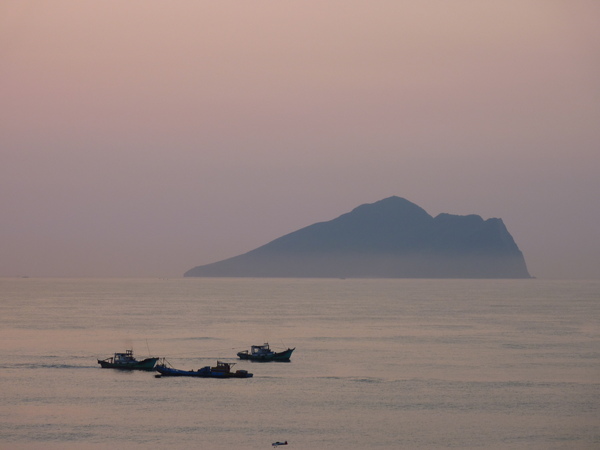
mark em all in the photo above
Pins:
pixel 143 138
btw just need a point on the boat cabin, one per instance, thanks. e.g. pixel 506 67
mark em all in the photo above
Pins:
pixel 258 350
pixel 222 367
pixel 122 358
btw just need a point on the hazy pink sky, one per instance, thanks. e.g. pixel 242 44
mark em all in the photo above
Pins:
pixel 142 138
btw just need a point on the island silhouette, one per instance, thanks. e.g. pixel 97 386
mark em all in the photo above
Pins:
pixel 391 238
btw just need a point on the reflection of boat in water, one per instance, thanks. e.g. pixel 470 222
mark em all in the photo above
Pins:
pixel 221 370
pixel 127 361
pixel 263 353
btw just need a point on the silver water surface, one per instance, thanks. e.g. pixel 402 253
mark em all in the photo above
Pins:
pixel 380 364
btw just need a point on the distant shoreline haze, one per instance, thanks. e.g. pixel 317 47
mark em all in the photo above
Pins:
pixel 391 238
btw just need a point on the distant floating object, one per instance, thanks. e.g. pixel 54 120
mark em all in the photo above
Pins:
pixel 126 361
pixel 221 370
pixel 277 444
pixel 262 353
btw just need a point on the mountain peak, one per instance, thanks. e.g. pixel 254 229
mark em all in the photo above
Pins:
pixel 392 237
pixel 394 204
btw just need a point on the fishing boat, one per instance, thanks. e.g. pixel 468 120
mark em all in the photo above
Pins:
pixel 221 370
pixel 127 361
pixel 263 353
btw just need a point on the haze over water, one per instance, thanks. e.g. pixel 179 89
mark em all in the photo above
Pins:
pixel 144 138
pixel 379 364
pixel 141 139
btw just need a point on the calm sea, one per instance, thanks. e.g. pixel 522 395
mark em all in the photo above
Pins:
pixel 379 364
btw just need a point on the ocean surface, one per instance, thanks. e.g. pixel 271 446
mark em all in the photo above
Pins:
pixel 379 364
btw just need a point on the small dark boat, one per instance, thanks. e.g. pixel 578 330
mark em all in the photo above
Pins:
pixel 221 370
pixel 127 361
pixel 263 353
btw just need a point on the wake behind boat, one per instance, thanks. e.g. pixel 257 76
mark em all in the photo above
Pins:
pixel 263 353
pixel 221 370
pixel 127 361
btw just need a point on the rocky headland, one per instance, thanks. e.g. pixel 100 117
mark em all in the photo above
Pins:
pixel 391 238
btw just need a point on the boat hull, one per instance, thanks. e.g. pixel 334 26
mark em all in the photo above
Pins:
pixel 271 357
pixel 205 372
pixel 146 364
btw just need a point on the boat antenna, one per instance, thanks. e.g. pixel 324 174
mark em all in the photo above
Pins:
pixel 148 347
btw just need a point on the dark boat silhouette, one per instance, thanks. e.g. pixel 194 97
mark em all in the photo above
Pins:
pixel 126 361
pixel 221 370
pixel 262 353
